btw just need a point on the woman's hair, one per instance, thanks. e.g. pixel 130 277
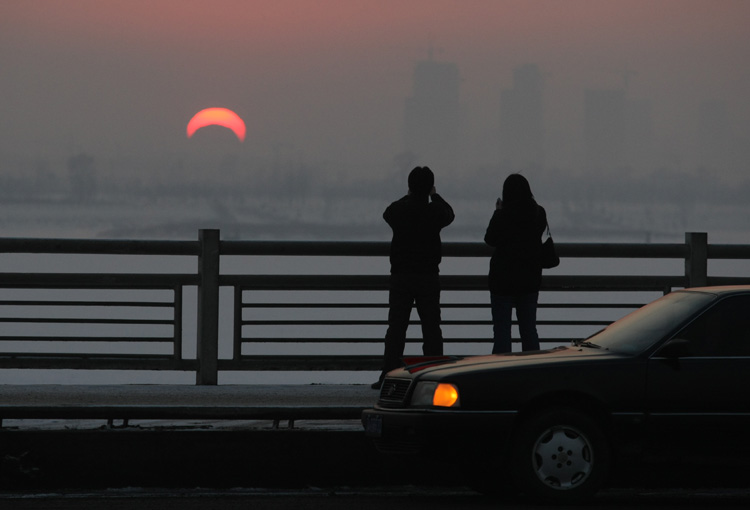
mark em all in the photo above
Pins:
pixel 517 189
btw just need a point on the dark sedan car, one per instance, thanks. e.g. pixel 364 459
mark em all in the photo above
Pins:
pixel 670 381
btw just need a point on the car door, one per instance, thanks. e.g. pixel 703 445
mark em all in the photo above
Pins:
pixel 698 396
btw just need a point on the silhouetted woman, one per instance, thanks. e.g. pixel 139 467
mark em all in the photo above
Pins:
pixel 515 231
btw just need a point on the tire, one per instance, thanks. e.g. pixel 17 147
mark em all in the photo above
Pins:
pixel 559 455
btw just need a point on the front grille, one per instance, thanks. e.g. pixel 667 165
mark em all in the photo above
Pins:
pixel 393 393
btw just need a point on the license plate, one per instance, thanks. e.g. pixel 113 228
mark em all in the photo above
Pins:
pixel 374 425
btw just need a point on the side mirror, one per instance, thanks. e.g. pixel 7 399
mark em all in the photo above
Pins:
pixel 674 348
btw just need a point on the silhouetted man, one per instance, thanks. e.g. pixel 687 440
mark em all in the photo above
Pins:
pixel 416 221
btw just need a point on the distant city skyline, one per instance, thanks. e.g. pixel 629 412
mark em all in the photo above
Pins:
pixel 616 131
pixel 325 87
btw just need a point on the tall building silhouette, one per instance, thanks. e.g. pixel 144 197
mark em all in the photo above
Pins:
pixel 522 119
pixel 432 115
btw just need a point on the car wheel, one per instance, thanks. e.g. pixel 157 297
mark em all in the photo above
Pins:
pixel 559 455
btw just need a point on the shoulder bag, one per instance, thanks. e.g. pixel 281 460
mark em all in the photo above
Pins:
pixel 549 257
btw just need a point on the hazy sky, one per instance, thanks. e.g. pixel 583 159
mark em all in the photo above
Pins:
pixel 327 79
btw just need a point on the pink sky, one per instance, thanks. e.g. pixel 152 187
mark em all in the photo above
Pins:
pixel 330 77
pixel 678 25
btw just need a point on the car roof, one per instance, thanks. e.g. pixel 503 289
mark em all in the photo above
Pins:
pixel 721 289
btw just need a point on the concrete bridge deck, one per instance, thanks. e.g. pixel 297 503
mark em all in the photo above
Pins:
pixel 56 436
pixel 185 402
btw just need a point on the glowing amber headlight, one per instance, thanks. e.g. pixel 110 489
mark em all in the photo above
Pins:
pixel 435 394
pixel 446 395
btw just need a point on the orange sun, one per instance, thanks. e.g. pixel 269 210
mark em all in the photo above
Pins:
pixel 217 117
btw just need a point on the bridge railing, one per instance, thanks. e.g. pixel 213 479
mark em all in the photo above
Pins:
pixel 295 322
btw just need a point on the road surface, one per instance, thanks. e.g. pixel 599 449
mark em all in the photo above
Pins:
pixel 343 498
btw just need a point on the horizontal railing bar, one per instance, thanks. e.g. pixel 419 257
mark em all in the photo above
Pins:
pixel 444 322
pixel 323 322
pixel 305 282
pixel 134 304
pixel 610 283
pixel 305 248
pixel 308 363
pixel 373 340
pixel 728 280
pixel 728 251
pixel 448 282
pixel 442 305
pixel 52 320
pixel 98 246
pixel 320 305
pixel 83 355
pixel 450 249
pixel 326 340
pixel 622 250
pixel 41 338
pixel 314 363
pixel 352 248
pixel 82 281
pixel 591 305
pixel 96 362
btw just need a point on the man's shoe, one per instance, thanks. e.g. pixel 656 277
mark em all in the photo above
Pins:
pixel 377 385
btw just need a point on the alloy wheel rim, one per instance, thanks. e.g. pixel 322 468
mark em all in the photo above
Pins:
pixel 562 457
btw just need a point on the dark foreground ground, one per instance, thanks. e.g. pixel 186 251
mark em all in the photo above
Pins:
pixel 376 498
pixel 290 459
pixel 130 457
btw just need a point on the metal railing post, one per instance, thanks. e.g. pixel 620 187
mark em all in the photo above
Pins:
pixel 208 308
pixel 696 261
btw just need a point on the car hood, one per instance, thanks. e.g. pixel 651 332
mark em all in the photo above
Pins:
pixel 430 368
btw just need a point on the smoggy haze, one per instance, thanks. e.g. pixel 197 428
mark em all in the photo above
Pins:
pixel 325 82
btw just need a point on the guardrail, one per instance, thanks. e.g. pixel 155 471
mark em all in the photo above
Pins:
pixel 82 321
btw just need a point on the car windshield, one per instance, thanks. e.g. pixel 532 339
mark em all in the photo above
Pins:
pixel 639 330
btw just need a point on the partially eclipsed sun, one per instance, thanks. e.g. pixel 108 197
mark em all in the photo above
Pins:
pixel 217 117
